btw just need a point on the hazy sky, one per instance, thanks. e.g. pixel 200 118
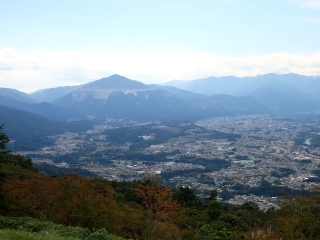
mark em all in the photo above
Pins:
pixel 62 42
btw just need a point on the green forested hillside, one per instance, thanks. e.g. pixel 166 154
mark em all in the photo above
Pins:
pixel 30 131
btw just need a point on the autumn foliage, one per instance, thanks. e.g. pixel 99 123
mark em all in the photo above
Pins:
pixel 145 209
pixel 165 216
pixel 71 200
pixel 76 200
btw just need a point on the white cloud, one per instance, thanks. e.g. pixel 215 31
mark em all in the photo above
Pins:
pixel 36 70
pixel 309 3
pixel 311 20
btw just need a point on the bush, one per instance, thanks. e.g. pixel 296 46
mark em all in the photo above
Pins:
pixel 23 226
pixel 102 234
pixel 25 223
pixel 74 232
pixel 8 234
pixel 206 232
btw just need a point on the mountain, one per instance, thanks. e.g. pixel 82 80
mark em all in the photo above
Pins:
pixel 31 131
pixel 218 103
pixel 286 93
pixel 120 97
pixel 183 94
pixel 115 83
pixel 236 105
pixel 212 85
pixel 17 95
pixel 282 102
pixel 302 86
pixel 44 109
pixel 51 94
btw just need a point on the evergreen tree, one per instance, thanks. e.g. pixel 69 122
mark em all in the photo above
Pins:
pixel 10 165
pixel 4 156
pixel 3 145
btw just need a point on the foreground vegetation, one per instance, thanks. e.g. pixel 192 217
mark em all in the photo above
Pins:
pixel 29 228
pixel 38 206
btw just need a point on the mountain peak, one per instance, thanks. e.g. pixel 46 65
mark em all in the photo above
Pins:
pixel 115 82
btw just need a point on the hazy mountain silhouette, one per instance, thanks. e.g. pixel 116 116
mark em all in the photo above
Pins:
pixel 282 93
pixel 17 95
pixel 51 94
pixel 117 96
pixel 44 109
pixel 302 86
pixel 120 97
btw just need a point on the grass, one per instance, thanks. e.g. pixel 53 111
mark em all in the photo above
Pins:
pixel 26 228
pixel 10 234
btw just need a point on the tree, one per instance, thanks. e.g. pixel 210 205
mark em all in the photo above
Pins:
pixel 4 139
pixel 7 157
pixel 132 221
pixel 250 206
pixel 206 232
pixel 31 193
pixel 299 218
pixel 212 196
pixel 215 209
pixel 231 222
pixel 186 197
pixel 164 215
pixel 4 157
pixel 71 200
pixel 85 202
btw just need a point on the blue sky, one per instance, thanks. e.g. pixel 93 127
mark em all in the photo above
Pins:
pixel 52 43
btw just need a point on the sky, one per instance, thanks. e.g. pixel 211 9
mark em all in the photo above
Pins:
pixel 46 44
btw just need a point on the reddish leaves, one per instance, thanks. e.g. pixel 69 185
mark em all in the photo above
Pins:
pixel 72 200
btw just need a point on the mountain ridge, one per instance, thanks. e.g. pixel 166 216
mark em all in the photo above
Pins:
pixel 120 97
pixel 16 95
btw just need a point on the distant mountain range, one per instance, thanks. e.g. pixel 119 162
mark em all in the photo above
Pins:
pixel 281 93
pixel 43 109
pixel 16 95
pixel 51 94
pixel 301 86
pixel 120 97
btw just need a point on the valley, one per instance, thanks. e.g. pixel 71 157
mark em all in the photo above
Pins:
pixel 256 142
pixel 160 120
pixel 234 155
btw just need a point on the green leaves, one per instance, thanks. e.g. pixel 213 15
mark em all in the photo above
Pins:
pixel 206 232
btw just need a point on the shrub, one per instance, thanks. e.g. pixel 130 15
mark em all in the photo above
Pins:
pixel 74 232
pixel 102 234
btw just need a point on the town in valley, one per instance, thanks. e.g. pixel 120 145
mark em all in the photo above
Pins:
pixel 225 154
